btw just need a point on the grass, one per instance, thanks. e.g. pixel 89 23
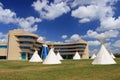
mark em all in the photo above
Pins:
pixel 68 70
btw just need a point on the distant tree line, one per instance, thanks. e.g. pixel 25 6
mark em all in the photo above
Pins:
pixel 117 55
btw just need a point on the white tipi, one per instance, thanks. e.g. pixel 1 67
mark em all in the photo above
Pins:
pixel 76 56
pixel 93 56
pixel 103 57
pixel 51 58
pixel 59 56
pixel 35 57
pixel 112 55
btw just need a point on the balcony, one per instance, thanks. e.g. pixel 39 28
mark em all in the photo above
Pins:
pixel 38 45
pixel 25 50
pixel 26 45
pixel 66 53
pixel 25 39
pixel 76 46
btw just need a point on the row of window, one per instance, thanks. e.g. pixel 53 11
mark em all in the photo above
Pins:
pixel 3 46
pixel 28 37
pixel 79 45
pixel 24 47
pixel 24 42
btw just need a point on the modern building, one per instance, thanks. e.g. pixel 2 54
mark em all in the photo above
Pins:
pixel 21 45
pixel 68 50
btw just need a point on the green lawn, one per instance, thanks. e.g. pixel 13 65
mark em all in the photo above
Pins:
pixel 68 70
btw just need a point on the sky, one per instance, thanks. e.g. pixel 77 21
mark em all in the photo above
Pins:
pixel 64 20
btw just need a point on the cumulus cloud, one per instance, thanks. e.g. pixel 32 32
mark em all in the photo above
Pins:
pixel 109 46
pixel 102 35
pixel 89 12
pixel 64 36
pixel 7 16
pixel 117 43
pixel 84 20
pixel 41 39
pixel 27 24
pixel 3 38
pixel 73 38
pixel 109 23
pixel 95 9
pixel 93 43
pixel 1 4
pixel 50 11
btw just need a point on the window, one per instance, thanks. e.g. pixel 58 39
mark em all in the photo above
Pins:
pixel 24 42
pixel 3 46
pixel 29 37
pixel 23 47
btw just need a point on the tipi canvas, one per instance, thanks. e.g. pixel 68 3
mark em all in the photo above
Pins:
pixel 35 57
pixel 51 58
pixel 112 55
pixel 59 56
pixel 76 56
pixel 93 56
pixel 103 57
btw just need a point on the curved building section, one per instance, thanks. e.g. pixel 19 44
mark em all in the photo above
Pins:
pixel 67 50
pixel 20 44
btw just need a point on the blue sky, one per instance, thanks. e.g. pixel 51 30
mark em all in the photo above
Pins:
pixel 64 20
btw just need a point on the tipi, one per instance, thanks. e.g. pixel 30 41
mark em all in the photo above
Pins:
pixel 51 58
pixel 112 55
pixel 103 57
pixel 59 56
pixel 76 56
pixel 93 56
pixel 35 57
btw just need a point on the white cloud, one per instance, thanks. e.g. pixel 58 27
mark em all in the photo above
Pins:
pixel 117 43
pixel 50 11
pixel 109 46
pixel 102 35
pixel 85 12
pixel 109 23
pixel 1 4
pixel 117 50
pixel 73 38
pixel 93 2
pixel 80 2
pixel 7 16
pixel 3 38
pixel 95 9
pixel 39 5
pixel 58 1
pixel 41 39
pixel 27 24
pixel 93 43
pixel 84 20
pixel 64 36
